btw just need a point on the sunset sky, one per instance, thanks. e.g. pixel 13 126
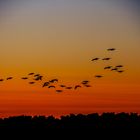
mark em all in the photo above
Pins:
pixel 58 39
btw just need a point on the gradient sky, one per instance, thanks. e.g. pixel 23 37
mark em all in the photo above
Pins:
pixel 58 39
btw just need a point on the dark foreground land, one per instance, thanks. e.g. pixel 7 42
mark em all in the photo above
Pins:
pixel 106 121
pixel 92 126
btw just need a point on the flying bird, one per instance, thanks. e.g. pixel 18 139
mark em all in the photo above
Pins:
pixel 53 80
pixel 51 87
pixel 36 75
pixel 120 71
pixel 68 87
pixel 45 84
pixel 98 76
pixel 94 59
pixel 114 69
pixel 62 86
pixel 31 73
pixel 31 83
pixel 9 78
pixel 106 58
pixel 111 49
pixel 38 78
pixel 85 82
pixel 1 80
pixel 107 67
pixel 24 78
pixel 59 91
pixel 77 86
pixel 119 66
pixel 87 85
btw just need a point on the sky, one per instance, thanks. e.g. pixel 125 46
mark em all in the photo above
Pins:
pixel 58 39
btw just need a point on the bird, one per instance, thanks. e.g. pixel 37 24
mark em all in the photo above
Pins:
pixel 111 49
pixel 59 91
pixel 31 73
pixel 38 78
pixel 85 82
pixel 51 87
pixel 62 86
pixel 120 71
pixel 31 83
pixel 95 59
pixel 1 80
pixel 107 67
pixel 36 75
pixel 77 86
pixel 106 58
pixel 68 87
pixel 114 69
pixel 45 84
pixel 24 78
pixel 98 76
pixel 9 78
pixel 53 80
pixel 87 85
pixel 119 66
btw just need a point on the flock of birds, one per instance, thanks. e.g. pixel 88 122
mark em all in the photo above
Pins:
pixel 51 83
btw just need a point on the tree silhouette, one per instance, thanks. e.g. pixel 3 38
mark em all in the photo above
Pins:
pixel 106 121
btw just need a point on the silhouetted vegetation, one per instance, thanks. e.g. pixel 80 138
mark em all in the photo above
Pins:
pixel 120 121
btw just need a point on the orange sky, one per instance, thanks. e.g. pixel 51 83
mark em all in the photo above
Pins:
pixel 58 40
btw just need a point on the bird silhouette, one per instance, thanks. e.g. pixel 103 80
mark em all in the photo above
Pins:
pixel 107 67
pixel 77 86
pixel 62 86
pixel 31 83
pixel 31 73
pixel 114 69
pixel 119 66
pixel 9 78
pixel 45 84
pixel 106 58
pixel 68 87
pixel 98 76
pixel 53 80
pixel 94 59
pixel 59 91
pixel 111 49
pixel 36 75
pixel 120 71
pixel 87 85
pixel 51 86
pixel 38 78
pixel 85 82
pixel 24 78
